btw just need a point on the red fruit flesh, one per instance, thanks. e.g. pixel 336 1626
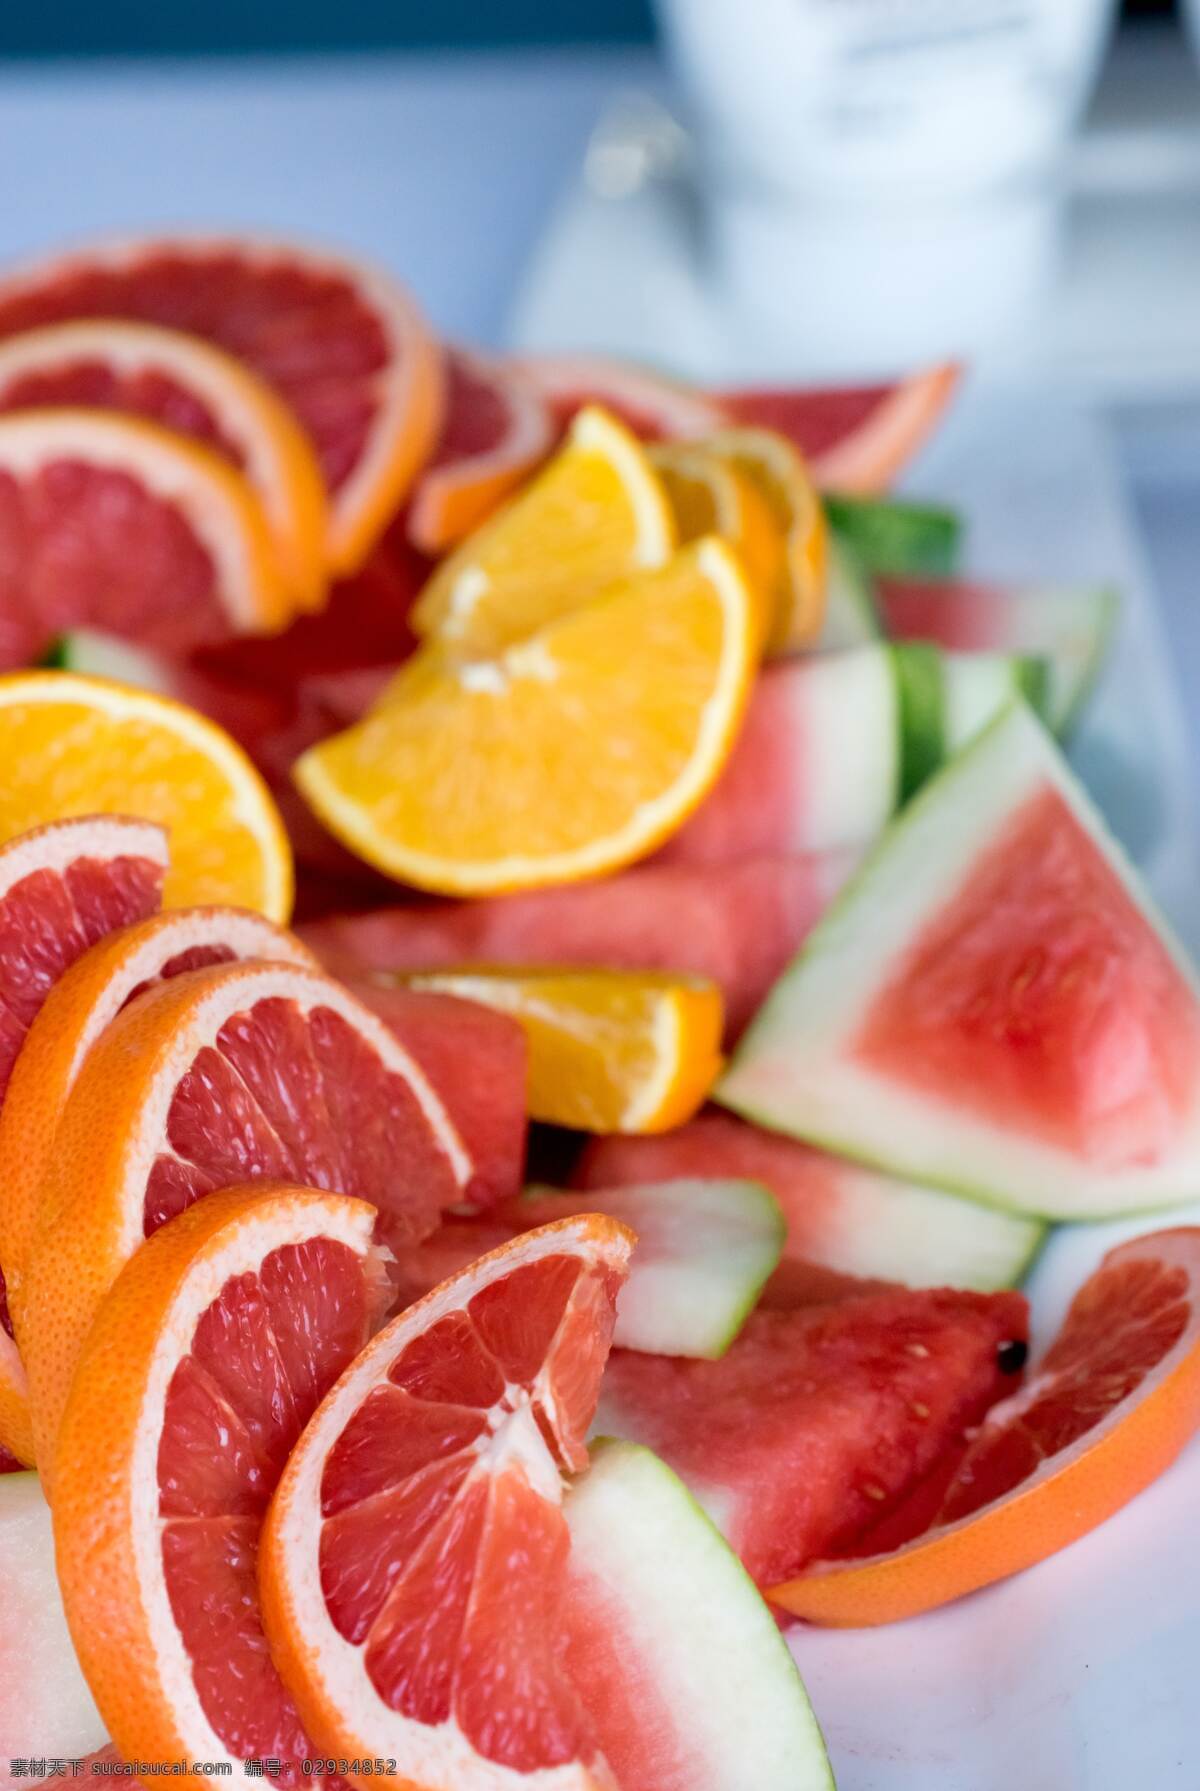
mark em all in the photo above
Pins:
pixel 297 1095
pixel 477 1061
pixel 1039 997
pixel 816 1422
pixel 263 1355
pixel 100 385
pixel 306 330
pixel 739 925
pixel 815 419
pixel 447 1569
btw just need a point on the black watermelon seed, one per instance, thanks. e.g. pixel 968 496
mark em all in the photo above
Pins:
pixel 1012 1356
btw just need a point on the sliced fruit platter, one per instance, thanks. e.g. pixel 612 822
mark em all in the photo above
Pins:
pixel 475 1339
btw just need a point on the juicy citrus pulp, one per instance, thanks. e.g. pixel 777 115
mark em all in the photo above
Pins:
pixel 775 470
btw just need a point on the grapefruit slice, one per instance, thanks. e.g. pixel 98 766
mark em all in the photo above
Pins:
pixel 218 1075
pixel 477 1062
pixel 197 390
pixel 838 1215
pixel 704 1249
pixel 342 343
pixel 815 1423
pixel 110 521
pixel 596 513
pixel 209 1353
pixel 993 1007
pixel 1108 1408
pixel 76 745
pixel 575 751
pixel 1070 629
pixel 738 925
pixel 62 887
pixel 495 430
pixel 855 438
pixel 45 1705
pixel 609 1050
pixel 414 1558
pixel 689 1682
pixel 82 1002
pixel 653 406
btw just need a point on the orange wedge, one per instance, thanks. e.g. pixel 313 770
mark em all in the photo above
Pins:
pixel 78 746
pixel 341 342
pixel 81 1004
pixel 207 1358
pixel 570 753
pixel 709 496
pixel 229 1072
pixel 594 514
pixel 775 469
pixel 414 1559
pixel 609 1050
pixel 1107 1409
pixel 115 523
pixel 186 385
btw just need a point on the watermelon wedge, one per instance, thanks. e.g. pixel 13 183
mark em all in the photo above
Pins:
pixel 855 438
pixel 993 1006
pixel 737 924
pixel 45 1706
pixel 898 538
pixel 689 1683
pixel 476 1060
pixel 816 1423
pixel 1069 629
pixel 838 1215
pixel 833 743
pixel 704 1249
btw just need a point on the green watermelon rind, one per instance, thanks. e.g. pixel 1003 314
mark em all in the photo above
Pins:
pixel 896 538
pixel 851 618
pixel 919 681
pixel 857 1114
pixel 979 684
pixel 100 655
pixel 699 1597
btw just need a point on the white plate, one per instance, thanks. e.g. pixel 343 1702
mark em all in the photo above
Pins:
pixel 1080 1674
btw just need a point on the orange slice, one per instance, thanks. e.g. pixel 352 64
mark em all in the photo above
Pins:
pixel 775 469
pixel 112 522
pixel 594 514
pixel 62 888
pixel 1108 1408
pixel 650 403
pixel 709 496
pixel 197 390
pixel 609 1050
pixel 571 753
pixel 216 1076
pixel 413 1563
pixel 75 745
pixel 208 1355
pixel 495 430
pixel 84 999
pixel 341 342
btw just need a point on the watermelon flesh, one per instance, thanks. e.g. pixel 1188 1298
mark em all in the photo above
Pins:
pixel 687 1681
pixel 705 1247
pixel 817 1422
pixel 476 1060
pixel 1069 629
pixel 737 925
pixel 993 1007
pixel 841 1219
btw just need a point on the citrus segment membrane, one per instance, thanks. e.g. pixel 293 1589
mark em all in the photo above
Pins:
pixel 415 1555
pixel 208 1355
pixel 341 342
pixel 1108 1407
pixel 736 924
pixel 688 1680
pixel 993 1006
pixel 83 1001
pixel 816 1422
pixel 216 1077
pixel 838 1215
